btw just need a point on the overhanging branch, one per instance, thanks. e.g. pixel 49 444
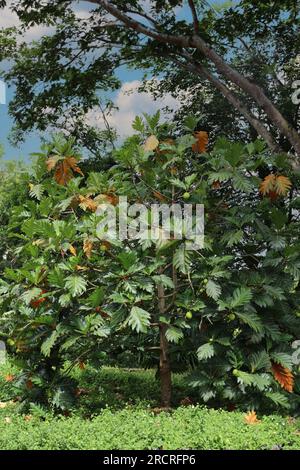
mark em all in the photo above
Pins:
pixel 224 69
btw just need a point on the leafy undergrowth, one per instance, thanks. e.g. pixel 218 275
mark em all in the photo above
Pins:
pixel 130 428
pixel 116 410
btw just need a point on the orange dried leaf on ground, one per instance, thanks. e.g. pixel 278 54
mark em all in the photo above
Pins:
pixel 88 247
pixel 81 365
pixel 28 418
pixel 201 143
pixel 283 376
pixel 251 418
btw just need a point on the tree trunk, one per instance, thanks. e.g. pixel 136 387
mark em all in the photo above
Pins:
pixel 165 369
pixel 165 374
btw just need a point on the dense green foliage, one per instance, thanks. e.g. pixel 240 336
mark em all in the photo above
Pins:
pixel 137 425
pixel 13 190
pixel 233 306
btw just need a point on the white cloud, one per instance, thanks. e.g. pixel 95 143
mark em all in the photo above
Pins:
pixel 9 19
pixel 130 103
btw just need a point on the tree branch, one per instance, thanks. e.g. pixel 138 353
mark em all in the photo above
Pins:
pixel 233 99
pixel 195 16
pixel 222 66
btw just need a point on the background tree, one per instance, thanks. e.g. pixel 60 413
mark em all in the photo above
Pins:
pixel 81 56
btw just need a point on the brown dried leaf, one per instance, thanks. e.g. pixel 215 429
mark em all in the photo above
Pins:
pixel 64 169
pixel 88 247
pixel 274 186
pixel 87 203
pixel 202 141
pixel 283 376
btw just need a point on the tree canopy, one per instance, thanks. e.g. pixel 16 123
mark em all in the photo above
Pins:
pixel 245 53
pixel 227 312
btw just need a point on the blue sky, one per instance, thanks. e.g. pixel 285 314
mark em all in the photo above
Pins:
pixel 129 106
pixel 32 141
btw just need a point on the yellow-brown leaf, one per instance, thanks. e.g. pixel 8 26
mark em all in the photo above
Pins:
pixel 81 268
pixel 151 143
pixel 267 184
pixel 275 185
pixel 72 250
pixel 87 203
pixel 88 247
pixel 283 185
pixel 51 163
pixel 251 418
pixel 107 199
pixel 64 169
pixel 201 143
pixel 283 376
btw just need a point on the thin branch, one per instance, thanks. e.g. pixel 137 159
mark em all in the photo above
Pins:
pixel 143 15
pixel 195 16
pixel 107 125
